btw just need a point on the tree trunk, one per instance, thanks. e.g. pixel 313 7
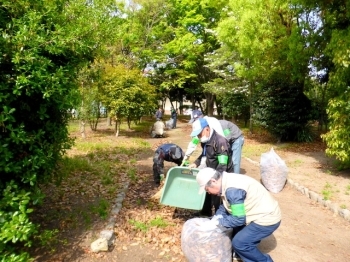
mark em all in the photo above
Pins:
pixel 210 104
pixel 251 108
pixel 117 127
pixel 82 129
pixel 129 122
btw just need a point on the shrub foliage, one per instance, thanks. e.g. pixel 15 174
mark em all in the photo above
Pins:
pixel 283 109
pixel 43 45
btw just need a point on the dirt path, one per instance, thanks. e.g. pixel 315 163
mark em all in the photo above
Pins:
pixel 309 231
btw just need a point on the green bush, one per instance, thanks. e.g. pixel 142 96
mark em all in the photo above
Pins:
pixel 283 109
pixel 41 51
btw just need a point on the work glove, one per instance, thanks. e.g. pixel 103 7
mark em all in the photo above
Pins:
pixel 209 225
pixel 216 217
pixel 185 161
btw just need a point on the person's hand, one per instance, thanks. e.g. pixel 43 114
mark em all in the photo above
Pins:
pixel 209 225
pixel 193 165
pixel 216 217
pixel 184 160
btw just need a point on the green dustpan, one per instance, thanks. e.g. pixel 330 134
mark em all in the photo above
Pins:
pixel 181 189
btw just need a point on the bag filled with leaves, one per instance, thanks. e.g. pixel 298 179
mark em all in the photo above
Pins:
pixel 202 241
pixel 273 171
pixel 169 124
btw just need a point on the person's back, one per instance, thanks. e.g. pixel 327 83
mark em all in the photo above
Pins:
pixel 166 152
pixel 260 206
pixel 158 128
pixel 231 131
pixel 159 114
pixel 236 139
pixel 215 125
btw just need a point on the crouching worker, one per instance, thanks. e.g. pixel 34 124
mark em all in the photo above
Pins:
pixel 247 207
pixel 157 129
pixel 167 152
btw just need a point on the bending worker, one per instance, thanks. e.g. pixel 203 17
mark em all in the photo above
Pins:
pixel 168 152
pixel 215 154
pixel 157 130
pixel 247 207
pixel 213 123
pixel 236 139
pixel 233 135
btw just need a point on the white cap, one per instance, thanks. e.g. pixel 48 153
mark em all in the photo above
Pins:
pixel 198 126
pixel 203 177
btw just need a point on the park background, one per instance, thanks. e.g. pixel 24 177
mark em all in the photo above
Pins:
pixel 277 66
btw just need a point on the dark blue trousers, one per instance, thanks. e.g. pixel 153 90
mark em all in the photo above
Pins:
pixel 245 242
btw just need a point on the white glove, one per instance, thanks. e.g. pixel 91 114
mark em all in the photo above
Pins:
pixel 209 225
pixel 190 149
pixel 216 218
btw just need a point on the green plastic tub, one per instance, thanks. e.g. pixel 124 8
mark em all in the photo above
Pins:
pixel 181 189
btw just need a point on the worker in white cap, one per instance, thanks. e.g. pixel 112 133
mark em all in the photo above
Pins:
pixel 247 207
pixel 216 153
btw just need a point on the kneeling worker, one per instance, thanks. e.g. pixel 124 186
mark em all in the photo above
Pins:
pixel 247 207
pixel 157 130
pixel 168 152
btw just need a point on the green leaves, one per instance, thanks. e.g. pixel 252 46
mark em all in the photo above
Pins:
pixel 338 138
pixel 14 222
pixel 127 93
pixel 44 45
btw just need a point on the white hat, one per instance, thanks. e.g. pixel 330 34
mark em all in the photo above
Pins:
pixel 198 126
pixel 203 177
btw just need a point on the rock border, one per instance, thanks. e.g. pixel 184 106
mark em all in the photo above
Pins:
pixel 335 208
pixel 107 235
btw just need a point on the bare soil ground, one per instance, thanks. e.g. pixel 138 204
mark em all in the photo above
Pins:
pixel 309 231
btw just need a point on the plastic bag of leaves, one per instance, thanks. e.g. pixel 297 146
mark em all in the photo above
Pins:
pixel 203 244
pixel 169 123
pixel 273 171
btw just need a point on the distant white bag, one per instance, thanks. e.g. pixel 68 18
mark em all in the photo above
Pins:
pixel 273 170
pixel 203 243
pixel 169 123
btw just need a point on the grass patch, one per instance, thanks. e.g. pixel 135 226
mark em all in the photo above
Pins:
pixel 86 183
pixel 101 208
pixel 145 226
pixel 132 174
pixel 253 151
pixel 295 163
pixel 89 146
pixel 327 191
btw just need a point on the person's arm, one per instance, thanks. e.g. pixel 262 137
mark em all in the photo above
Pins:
pixel 237 218
pixel 191 147
pixel 222 154
pixel 199 159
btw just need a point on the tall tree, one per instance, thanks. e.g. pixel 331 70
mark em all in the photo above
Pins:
pixel 268 38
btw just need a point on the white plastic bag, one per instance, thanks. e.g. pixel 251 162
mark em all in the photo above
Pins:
pixel 169 124
pixel 273 171
pixel 203 243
